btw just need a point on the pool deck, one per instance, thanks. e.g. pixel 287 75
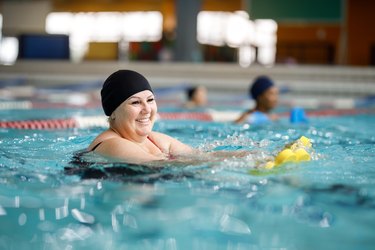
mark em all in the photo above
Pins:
pixel 296 79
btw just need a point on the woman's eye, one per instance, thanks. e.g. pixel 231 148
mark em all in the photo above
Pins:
pixel 151 100
pixel 136 102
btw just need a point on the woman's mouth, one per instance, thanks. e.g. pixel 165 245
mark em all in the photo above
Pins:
pixel 143 120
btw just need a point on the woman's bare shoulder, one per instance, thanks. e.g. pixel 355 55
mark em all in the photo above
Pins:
pixel 120 148
pixel 108 134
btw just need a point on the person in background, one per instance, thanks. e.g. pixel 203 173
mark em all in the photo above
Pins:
pixel 265 94
pixel 196 97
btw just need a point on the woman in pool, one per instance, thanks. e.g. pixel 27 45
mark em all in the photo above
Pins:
pixel 128 100
pixel 265 94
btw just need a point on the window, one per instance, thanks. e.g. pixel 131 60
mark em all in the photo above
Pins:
pixel 255 40
pixel 8 47
pixel 121 27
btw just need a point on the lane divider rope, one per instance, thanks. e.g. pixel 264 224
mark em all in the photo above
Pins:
pixel 91 121
pixel 40 124
pixel 101 121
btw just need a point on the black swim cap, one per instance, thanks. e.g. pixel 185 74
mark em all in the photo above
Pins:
pixel 119 86
pixel 190 92
pixel 260 85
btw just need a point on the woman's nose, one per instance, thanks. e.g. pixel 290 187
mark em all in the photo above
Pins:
pixel 146 107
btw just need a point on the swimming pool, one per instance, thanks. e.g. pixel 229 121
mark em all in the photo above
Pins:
pixel 327 203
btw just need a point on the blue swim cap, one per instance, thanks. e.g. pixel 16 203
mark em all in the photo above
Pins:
pixel 260 85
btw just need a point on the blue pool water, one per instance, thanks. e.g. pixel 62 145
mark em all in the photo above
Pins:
pixel 327 203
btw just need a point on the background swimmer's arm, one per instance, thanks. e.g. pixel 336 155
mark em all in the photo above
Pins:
pixel 274 117
pixel 243 116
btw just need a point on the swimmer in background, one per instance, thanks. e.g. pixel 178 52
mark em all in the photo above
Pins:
pixel 266 95
pixel 196 97
pixel 129 102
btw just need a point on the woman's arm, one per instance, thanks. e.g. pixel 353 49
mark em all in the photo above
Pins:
pixel 182 153
pixel 170 145
pixel 174 151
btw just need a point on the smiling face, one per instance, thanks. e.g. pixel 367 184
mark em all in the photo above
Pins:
pixel 135 117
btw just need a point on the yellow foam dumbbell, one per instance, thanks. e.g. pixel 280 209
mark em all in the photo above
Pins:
pixel 286 155
pixel 305 141
pixel 269 165
pixel 302 155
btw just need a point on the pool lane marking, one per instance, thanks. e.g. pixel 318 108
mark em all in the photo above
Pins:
pixel 101 121
pixel 91 121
